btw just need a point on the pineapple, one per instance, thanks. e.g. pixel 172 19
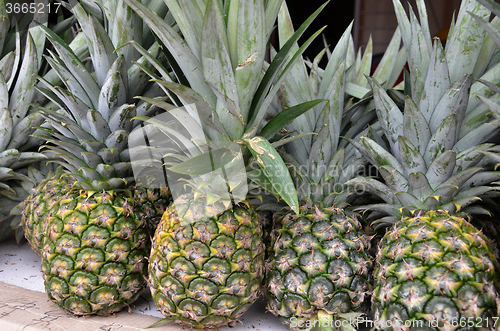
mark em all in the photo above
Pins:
pixel 207 255
pixel 92 232
pixel 434 270
pixel 318 272
pixel 319 267
pixel 208 272
pixel 93 252
pixel 438 270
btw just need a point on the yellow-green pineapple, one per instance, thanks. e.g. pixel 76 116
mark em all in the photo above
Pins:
pixel 207 256
pixel 208 272
pixel 92 231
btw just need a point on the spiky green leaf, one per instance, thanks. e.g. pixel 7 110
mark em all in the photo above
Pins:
pixel 274 169
pixel 441 168
pixel 442 139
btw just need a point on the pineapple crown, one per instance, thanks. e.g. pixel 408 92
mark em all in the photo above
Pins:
pixel 21 46
pixel 322 162
pixel 432 158
pixel 91 117
pixel 491 97
pixel 215 57
pixel 17 76
pixel 22 166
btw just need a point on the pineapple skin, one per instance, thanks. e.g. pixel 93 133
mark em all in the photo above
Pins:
pixel 435 269
pixel 39 206
pixel 207 263
pixel 319 267
pixel 93 252
pixel 491 228
pixel 46 196
pixel 154 202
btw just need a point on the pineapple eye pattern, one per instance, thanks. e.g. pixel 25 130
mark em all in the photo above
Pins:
pixel 317 267
pixel 90 265
pixel 215 266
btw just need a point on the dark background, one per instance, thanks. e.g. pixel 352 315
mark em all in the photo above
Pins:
pixel 337 15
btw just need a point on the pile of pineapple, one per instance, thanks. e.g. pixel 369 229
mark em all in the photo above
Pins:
pixel 144 143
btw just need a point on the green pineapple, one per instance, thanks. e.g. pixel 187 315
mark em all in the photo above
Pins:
pixel 437 270
pixel 434 270
pixel 93 252
pixel 92 231
pixel 319 268
pixel 207 256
